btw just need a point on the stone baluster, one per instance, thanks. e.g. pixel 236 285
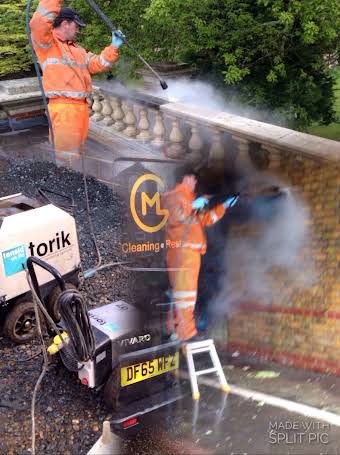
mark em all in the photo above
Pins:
pixel 107 112
pixel 158 130
pixel 216 151
pixel 176 149
pixel 118 114
pixel 97 108
pixel 195 144
pixel 243 159
pixel 143 125
pixel 130 120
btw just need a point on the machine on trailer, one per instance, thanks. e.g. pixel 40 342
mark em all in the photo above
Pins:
pixel 30 228
pixel 117 348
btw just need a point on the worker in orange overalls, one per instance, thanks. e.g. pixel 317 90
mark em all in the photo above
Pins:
pixel 185 242
pixel 67 70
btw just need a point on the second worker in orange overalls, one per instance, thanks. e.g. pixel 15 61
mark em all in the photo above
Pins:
pixel 185 242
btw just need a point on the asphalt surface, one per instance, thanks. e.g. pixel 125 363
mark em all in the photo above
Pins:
pixel 227 424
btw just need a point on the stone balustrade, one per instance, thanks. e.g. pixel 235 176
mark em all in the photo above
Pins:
pixel 205 137
pixel 154 126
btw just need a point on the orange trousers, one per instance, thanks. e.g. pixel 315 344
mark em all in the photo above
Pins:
pixel 184 285
pixel 70 124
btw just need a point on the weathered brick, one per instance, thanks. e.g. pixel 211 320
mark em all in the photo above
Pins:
pixel 315 336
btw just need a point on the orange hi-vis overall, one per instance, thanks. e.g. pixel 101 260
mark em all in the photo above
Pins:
pixel 67 70
pixel 185 241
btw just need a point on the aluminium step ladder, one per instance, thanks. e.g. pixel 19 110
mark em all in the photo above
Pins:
pixel 198 347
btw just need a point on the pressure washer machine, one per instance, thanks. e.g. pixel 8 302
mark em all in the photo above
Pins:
pixel 117 348
pixel 32 228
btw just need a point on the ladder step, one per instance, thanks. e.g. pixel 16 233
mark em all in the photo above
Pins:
pixel 196 348
pixel 199 350
pixel 200 344
pixel 209 370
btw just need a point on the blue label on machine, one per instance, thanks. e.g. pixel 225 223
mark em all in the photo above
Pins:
pixel 111 326
pixel 13 259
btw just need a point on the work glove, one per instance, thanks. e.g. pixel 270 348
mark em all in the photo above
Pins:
pixel 117 38
pixel 230 202
pixel 199 203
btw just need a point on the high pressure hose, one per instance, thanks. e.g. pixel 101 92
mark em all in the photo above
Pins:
pixel 37 68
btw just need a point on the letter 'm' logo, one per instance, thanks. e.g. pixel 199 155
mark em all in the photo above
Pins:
pixel 146 201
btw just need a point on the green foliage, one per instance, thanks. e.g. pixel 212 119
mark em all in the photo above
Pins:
pixel 265 53
pixel 269 52
pixel 14 52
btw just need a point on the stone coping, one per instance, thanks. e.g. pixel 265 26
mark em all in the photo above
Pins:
pixel 264 133
pixel 19 86
pixel 19 90
pixel 139 96
pixel 19 98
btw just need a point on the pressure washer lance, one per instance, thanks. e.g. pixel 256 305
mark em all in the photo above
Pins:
pixel 272 192
pixel 109 24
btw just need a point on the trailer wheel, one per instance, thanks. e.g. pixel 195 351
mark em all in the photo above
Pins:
pixel 20 324
pixel 111 390
pixel 52 301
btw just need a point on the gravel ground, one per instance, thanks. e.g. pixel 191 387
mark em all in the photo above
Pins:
pixel 68 416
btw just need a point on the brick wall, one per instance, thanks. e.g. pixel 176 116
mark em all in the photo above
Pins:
pixel 301 327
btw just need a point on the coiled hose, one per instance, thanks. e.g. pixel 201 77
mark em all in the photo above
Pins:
pixel 73 311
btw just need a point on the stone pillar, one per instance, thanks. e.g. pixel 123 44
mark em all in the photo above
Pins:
pixel 176 149
pixel 97 108
pixel 107 111
pixel 159 129
pixel 195 144
pixel 130 120
pixel 118 114
pixel 143 125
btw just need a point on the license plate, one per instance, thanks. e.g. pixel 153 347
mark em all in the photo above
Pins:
pixel 148 369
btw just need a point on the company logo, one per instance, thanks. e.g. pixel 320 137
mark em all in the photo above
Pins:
pixel 13 259
pixel 60 241
pixel 146 201
pixel 135 340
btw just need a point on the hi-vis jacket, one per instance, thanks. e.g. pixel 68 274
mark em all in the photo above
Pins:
pixel 66 66
pixel 184 227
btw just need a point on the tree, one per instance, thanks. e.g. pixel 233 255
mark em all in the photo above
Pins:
pixel 14 51
pixel 267 53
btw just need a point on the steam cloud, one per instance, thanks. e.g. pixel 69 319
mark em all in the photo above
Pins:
pixel 266 257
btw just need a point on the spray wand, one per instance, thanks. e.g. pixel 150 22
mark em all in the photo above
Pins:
pixel 109 24
pixel 269 193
